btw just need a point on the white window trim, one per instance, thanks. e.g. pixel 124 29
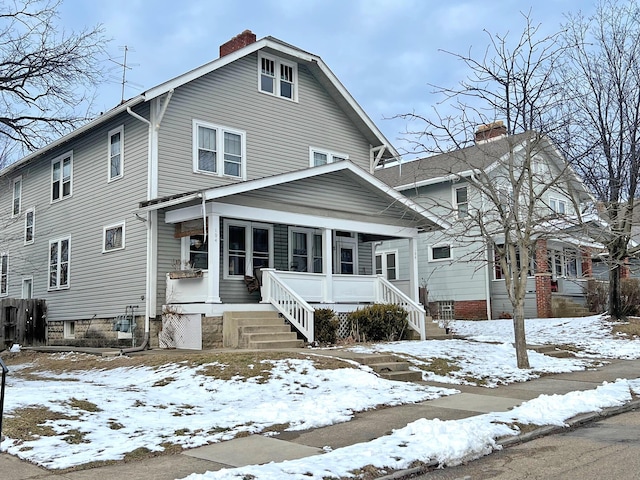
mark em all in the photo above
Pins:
pixel 69 329
pixel 104 237
pixel 248 245
pixel 277 62
pixel 557 202
pixel 220 130
pixel 310 232
pixel 2 256
pixel 26 279
pixel 61 159
pixel 59 287
pixel 449 258
pixel 331 155
pixel 384 264
pixel 455 203
pixel 13 212
pixel 111 133
pixel 33 226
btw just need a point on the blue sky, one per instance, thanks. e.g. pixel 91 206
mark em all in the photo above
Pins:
pixel 385 52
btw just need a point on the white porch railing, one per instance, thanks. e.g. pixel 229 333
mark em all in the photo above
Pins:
pixel 387 293
pixel 288 303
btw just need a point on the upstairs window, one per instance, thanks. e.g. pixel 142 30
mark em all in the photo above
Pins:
pixel 558 206
pixel 113 238
pixel 17 196
pixel 115 148
pixel 29 226
pixel 218 150
pixel 461 202
pixel 61 177
pixel 277 77
pixel 59 260
pixel 319 156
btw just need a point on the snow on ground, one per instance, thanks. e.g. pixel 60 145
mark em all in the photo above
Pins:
pixel 445 442
pixel 478 363
pixel 140 406
pixel 591 334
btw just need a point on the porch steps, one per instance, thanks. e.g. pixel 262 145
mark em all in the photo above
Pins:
pixel 389 367
pixel 258 330
pixel 566 308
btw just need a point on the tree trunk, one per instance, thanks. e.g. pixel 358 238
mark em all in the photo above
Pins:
pixel 520 338
pixel 615 303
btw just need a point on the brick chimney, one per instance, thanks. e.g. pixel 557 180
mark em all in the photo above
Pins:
pixel 236 43
pixel 490 131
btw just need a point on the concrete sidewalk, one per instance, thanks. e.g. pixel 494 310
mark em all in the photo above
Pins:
pixel 364 427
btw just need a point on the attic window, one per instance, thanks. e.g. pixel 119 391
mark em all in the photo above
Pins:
pixel 277 77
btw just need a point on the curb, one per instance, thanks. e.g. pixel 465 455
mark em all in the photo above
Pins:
pixel 572 423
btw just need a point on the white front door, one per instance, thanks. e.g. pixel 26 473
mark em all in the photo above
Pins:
pixel 346 259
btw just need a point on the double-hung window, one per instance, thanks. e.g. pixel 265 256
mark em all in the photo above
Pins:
pixel 29 226
pixel 61 177
pixel 558 206
pixel 218 150
pixel 318 156
pixel 4 274
pixel 277 77
pixel 461 200
pixel 247 246
pixel 17 196
pixel 59 262
pixel 113 238
pixel 305 250
pixel 387 265
pixel 115 156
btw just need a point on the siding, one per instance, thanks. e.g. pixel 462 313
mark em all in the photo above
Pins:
pixel 278 132
pixel 101 284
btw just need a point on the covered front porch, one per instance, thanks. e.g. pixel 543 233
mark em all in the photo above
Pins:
pixel 271 249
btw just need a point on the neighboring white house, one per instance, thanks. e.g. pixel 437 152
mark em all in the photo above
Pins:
pixel 456 269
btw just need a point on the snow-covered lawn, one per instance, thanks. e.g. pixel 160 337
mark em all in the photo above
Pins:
pixel 101 409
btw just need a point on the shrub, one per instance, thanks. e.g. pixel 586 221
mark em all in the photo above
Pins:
pixel 598 296
pixel 380 322
pixel 325 325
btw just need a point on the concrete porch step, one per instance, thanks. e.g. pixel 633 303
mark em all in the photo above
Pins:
pixel 275 344
pixel 389 367
pixel 251 329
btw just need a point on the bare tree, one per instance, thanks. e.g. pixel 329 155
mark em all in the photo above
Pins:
pixel 601 80
pixel 44 73
pixel 510 177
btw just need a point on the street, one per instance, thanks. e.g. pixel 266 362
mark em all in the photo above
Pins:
pixel 609 448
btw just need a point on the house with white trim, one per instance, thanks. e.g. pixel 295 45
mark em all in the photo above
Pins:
pixel 458 273
pixel 244 185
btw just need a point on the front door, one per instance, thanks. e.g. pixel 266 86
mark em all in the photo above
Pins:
pixel 346 259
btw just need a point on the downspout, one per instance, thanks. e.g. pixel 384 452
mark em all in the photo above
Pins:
pixel 151 222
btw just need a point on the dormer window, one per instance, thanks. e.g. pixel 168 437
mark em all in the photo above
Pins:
pixel 277 77
pixel 319 156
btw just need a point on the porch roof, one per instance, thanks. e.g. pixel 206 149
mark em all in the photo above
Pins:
pixel 339 190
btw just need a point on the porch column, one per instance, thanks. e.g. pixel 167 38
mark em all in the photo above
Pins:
pixel 413 269
pixel 213 278
pixel 543 281
pixel 327 264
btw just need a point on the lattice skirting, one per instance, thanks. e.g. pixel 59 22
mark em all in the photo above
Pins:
pixel 344 328
pixel 173 327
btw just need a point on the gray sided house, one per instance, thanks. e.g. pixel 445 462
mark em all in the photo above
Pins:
pixel 457 271
pixel 241 188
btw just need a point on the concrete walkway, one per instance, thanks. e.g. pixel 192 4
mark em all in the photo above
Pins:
pixel 364 427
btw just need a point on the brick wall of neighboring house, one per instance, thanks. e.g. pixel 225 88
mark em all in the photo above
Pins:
pixel 543 281
pixel 470 310
pixel 587 262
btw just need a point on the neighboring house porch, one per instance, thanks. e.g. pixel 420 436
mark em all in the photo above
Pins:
pixel 288 243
